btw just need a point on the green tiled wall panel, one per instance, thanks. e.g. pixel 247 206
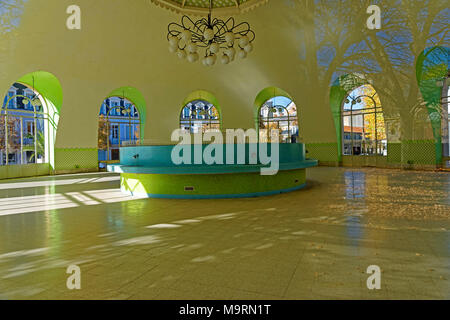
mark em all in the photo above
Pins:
pixel 394 153
pixel 419 152
pixel 74 159
pixel 26 170
pixel 324 152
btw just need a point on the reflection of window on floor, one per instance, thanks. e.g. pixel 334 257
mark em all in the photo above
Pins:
pixel 278 113
pixel 363 128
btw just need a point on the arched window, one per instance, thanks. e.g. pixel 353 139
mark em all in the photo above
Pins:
pixel 119 125
pixel 363 125
pixel 25 127
pixel 199 116
pixel 278 113
pixel 446 120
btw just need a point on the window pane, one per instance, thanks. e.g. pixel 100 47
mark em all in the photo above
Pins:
pixel 114 134
pixel 263 134
pixel 278 113
pixel 2 141
pixel 13 140
pixel 102 134
pixel 119 126
pixel 199 116
pixel 28 150
pixel 40 138
pixel 136 132
pixel 364 131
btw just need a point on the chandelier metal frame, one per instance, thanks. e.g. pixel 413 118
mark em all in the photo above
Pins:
pixel 214 35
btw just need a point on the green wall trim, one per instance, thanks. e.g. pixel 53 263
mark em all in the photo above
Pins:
pixel 206 96
pixel 432 66
pixel 47 85
pixel 338 92
pixel 269 93
pixel 265 95
pixel 76 159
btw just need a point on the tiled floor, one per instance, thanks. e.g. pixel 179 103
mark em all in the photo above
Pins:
pixel 312 244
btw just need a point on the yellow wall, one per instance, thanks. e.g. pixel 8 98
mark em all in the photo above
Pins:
pixel 123 43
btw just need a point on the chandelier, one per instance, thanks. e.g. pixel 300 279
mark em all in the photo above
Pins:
pixel 218 38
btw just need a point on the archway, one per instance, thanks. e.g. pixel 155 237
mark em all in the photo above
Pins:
pixel 432 71
pixel 28 124
pixel 445 101
pixel 363 127
pixel 121 122
pixel 276 110
pixel 200 112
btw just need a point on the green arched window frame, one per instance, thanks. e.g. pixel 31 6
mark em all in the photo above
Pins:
pixel 201 95
pixel 263 97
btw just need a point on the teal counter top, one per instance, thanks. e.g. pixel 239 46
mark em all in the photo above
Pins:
pixel 207 169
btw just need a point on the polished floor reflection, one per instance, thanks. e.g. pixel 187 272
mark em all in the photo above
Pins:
pixel 312 244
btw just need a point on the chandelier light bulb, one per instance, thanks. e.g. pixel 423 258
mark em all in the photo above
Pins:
pixel 211 60
pixel 207 37
pixel 173 49
pixel 181 53
pixel 192 57
pixel 242 54
pixel 229 37
pixel 248 48
pixel 214 48
pixel 243 41
pixel 230 52
pixel 208 34
pixel 191 47
pixel 186 35
pixel 225 59
pixel 173 41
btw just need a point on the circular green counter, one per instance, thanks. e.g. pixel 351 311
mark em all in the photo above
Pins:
pixel 149 171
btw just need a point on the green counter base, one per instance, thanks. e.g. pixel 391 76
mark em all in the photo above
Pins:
pixel 211 186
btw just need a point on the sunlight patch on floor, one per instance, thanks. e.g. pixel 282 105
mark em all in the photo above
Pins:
pixel 46 202
pixel 55 182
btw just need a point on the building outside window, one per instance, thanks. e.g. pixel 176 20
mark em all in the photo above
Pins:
pixel 23 127
pixel 199 116
pixel 119 126
pixel 363 125
pixel 278 113
pixel 446 120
